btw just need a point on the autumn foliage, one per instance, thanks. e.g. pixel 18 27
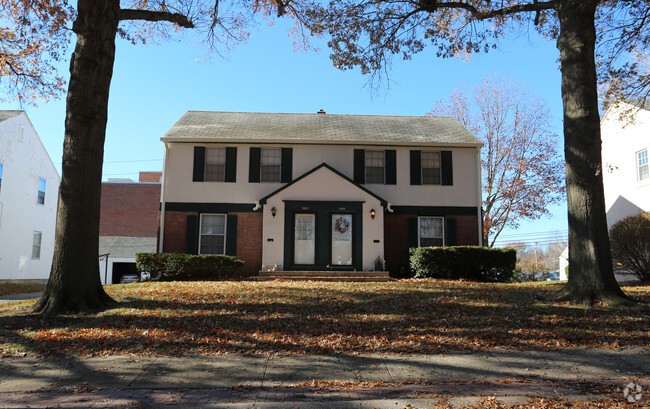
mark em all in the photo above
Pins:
pixel 522 169
pixel 219 317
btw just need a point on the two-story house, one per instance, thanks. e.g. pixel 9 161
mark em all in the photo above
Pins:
pixel 318 191
pixel 29 189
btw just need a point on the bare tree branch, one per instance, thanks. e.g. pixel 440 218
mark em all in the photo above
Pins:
pixel 148 15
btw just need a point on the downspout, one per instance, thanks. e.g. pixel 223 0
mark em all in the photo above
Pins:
pixel 162 201
pixel 479 196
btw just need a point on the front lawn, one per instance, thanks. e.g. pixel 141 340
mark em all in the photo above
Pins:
pixel 408 316
pixel 16 288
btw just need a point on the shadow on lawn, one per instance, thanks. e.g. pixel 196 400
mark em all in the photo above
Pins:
pixel 330 321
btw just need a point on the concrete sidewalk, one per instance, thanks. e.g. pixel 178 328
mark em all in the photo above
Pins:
pixel 4 299
pixel 239 381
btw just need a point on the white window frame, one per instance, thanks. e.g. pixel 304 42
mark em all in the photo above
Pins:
pixel 38 194
pixel 225 230
pixel 439 167
pixel 365 166
pixel 262 165
pixel 205 168
pixel 442 219
pixel 36 247
pixel 646 165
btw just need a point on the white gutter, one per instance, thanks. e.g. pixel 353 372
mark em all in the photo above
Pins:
pixel 388 207
pixel 479 196
pixel 257 206
pixel 162 201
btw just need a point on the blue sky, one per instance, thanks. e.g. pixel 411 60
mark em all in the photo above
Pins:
pixel 154 84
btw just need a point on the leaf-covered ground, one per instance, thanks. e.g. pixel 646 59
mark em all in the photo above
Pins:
pixel 427 316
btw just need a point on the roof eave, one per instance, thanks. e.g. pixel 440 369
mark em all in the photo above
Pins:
pixel 318 142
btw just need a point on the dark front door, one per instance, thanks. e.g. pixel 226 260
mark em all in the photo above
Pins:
pixel 323 236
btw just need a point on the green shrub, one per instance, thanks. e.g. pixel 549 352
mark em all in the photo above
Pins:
pixel 629 240
pixel 467 262
pixel 174 266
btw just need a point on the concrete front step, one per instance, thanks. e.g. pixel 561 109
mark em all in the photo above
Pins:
pixel 325 275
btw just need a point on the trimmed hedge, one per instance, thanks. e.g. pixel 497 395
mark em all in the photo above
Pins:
pixel 466 262
pixel 176 267
pixel 629 240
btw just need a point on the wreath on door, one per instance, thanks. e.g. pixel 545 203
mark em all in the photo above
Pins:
pixel 342 225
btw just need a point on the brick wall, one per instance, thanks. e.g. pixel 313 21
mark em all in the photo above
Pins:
pixel 395 237
pixel 174 240
pixel 249 241
pixel 249 237
pixel 129 209
pixel 154 177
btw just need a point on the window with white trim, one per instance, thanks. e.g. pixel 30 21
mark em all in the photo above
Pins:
pixel 215 164
pixel 36 245
pixel 40 199
pixel 431 231
pixel 375 163
pixel 270 165
pixel 643 172
pixel 431 165
pixel 212 237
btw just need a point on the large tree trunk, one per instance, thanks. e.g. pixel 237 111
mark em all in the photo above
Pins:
pixel 590 273
pixel 74 283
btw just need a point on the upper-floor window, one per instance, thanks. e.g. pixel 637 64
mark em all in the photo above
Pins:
pixel 642 165
pixel 374 166
pixel 36 245
pixel 270 165
pixel 431 168
pixel 430 231
pixel 215 164
pixel 212 237
pixel 41 191
pixel 0 177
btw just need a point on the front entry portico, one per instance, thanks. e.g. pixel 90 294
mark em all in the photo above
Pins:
pixel 321 235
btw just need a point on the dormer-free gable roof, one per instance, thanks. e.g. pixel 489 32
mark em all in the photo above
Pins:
pixel 8 114
pixel 255 127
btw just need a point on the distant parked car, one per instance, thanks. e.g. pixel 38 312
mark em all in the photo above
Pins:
pixel 129 278
pixel 553 276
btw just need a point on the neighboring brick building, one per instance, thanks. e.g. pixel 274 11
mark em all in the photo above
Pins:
pixel 128 223
pixel 317 191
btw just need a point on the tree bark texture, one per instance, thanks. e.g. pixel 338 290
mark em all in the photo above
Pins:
pixel 590 264
pixel 74 283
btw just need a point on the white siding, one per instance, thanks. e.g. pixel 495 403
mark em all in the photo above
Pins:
pixel 24 161
pixel 625 195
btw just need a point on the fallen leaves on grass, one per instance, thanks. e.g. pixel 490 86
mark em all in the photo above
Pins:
pixel 423 316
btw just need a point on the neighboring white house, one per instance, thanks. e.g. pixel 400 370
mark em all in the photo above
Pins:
pixel 318 191
pixel 29 190
pixel 626 170
pixel 626 150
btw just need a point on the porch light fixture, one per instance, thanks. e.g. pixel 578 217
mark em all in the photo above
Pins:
pixel 274 211
pixel 372 214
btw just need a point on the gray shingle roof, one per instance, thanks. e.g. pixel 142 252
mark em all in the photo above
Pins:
pixel 6 114
pixel 126 247
pixel 202 126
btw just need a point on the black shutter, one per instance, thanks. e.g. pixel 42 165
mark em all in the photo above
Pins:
pixel 412 231
pixel 451 232
pixel 391 167
pixel 231 235
pixel 191 237
pixel 199 164
pixel 360 166
pixel 416 167
pixel 231 165
pixel 286 169
pixel 447 168
pixel 254 165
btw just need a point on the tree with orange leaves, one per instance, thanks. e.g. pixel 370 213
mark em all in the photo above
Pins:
pixel 36 35
pixel 523 172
